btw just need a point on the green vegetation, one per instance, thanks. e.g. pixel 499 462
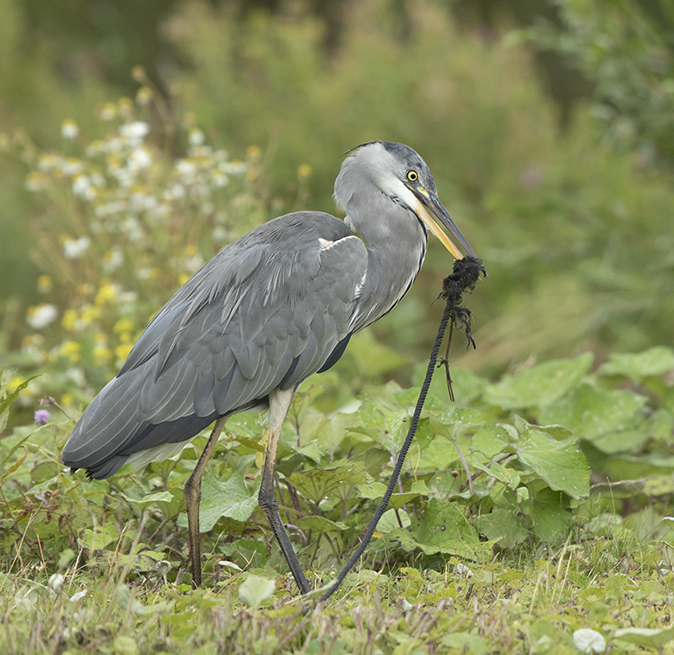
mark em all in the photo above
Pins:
pixel 533 513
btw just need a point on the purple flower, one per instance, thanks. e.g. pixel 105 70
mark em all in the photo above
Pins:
pixel 41 416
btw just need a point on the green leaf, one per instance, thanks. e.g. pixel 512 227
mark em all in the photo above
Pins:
pixel 148 499
pixel 551 517
pixel 230 499
pixel 255 590
pixel 560 463
pixel 321 525
pixel 539 386
pixel 489 440
pixel 646 637
pixel 508 476
pixel 389 521
pixel 466 643
pixel 466 387
pixel 125 645
pixel 502 525
pixel 635 366
pixel 443 529
pixel 317 484
pixel 591 413
pixel 99 537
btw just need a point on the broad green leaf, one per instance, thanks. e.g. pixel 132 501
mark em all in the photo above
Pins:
pixel 502 526
pixel 550 517
pixel 489 440
pixel 443 529
pixel 589 641
pixel 99 537
pixel 125 645
pixel 466 387
pixel 389 521
pixel 230 499
pixel 255 590
pixel 646 637
pixel 376 491
pixel 508 476
pixel 539 386
pixel 466 643
pixel 591 413
pixel 159 497
pixel 440 454
pixel 317 484
pixel 635 366
pixel 321 525
pixel 560 463
pixel 626 467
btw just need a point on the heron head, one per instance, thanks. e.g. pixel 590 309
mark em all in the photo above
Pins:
pixel 403 176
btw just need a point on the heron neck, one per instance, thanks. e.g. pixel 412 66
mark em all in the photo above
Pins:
pixel 396 246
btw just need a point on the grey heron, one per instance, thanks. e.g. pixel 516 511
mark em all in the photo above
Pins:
pixel 265 313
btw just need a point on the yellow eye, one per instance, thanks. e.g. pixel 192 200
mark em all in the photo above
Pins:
pixel 412 176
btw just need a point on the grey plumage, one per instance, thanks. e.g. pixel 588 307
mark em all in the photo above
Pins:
pixel 267 312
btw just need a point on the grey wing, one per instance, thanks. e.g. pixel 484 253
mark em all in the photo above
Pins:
pixel 266 312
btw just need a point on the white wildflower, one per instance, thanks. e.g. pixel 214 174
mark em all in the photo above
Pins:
pixel 219 179
pixel 41 315
pixel 140 158
pixel 132 228
pixel 108 111
pixel 71 167
pixel 74 248
pixel 112 260
pixel 185 167
pixel 233 167
pixel 35 181
pixel 135 131
pixel 83 188
pixel 69 129
pixel 196 137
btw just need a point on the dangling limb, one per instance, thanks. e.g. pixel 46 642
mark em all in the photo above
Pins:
pixel 193 497
pixel 279 403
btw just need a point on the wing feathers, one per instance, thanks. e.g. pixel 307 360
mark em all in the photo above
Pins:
pixel 268 310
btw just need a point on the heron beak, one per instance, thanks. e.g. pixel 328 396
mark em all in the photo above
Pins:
pixel 428 209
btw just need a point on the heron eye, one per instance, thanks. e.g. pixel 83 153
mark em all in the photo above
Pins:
pixel 412 176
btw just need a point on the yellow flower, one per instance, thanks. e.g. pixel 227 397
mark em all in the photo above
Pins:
pixel 69 320
pixel 45 283
pixel 304 171
pixel 122 325
pixel 90 313
pixel 191 250
pixel 253 152
pixel 71 350
pixel 102 355
pixel 67 400
pixel 14 383
pixel 183 278
pixel 107 293
pixel 122 351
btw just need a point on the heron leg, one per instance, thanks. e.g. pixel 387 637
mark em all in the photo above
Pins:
pixel 279 403
pixel 192 493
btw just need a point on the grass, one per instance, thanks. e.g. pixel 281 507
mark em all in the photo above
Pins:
pixel 533 605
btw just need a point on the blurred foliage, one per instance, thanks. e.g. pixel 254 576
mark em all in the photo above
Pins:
pixel 574 235
pixel 626 49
